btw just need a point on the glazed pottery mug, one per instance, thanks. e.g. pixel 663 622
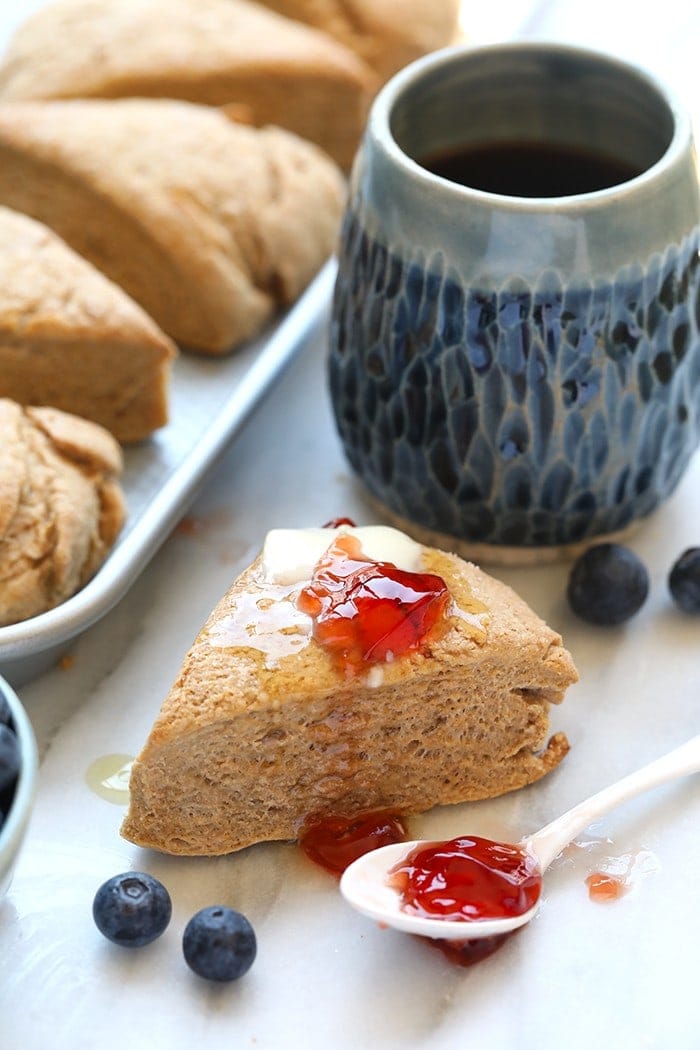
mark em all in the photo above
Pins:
pixel 515 341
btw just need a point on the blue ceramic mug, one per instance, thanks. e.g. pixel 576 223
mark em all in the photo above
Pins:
pixel 515 342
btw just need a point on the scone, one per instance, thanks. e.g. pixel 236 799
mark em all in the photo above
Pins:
pixel 213 52
pixel 209 225
pixel 61 507
pixel 387 34
pixel 286 711
pixel 72 339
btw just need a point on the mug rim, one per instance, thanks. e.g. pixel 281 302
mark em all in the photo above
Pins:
pixel 379 125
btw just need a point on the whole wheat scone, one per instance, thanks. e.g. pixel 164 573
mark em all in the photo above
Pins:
pixel 257 736
pixel 387 34
pixel 214 52
pixel 61 506
pixel 72 339
pixel 209 225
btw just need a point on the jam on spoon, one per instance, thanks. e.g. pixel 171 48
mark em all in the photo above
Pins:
pixel 467 879
pixel 336 842
pixel 366 883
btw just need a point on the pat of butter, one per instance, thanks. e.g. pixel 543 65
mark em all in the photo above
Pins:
pixel 289 555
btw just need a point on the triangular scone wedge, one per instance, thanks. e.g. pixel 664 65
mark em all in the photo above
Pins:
pixel 209 225
pixel 213 52
pixel 387 34
pixel 72 339
pixel 262 731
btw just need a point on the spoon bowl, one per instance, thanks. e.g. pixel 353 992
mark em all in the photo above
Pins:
pixel 365 884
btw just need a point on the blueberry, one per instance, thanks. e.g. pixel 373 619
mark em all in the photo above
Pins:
pixel 10 758
pixel 684 581
pixel 132 909
pixel 607 584
pixel 219 944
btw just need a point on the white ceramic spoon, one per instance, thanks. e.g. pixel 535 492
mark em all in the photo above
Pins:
pixel 364 883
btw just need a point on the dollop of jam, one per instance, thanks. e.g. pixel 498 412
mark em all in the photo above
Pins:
pixel 335 523
pixel 604 888
pixel 335 842
pixel 469 953
pixel 467 879
pixel 366 611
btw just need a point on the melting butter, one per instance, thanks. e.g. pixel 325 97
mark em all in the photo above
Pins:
pixel 289 555
pixel 266 618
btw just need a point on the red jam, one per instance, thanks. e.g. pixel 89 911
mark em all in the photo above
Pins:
pixel 469 953
pixel 605 888
pixel 335 523
pixel 335 842
pixel 369 611
pixel 467 878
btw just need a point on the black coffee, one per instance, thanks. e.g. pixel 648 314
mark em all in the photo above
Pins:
pixel 530 169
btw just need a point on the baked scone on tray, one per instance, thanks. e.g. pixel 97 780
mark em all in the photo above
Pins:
pixel 347 670
pixel 72 339
pixel 209 225
pixel 213 52
pixel 61 506
pixel 387 34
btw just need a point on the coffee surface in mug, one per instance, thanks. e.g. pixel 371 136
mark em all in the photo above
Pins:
pixel 530 169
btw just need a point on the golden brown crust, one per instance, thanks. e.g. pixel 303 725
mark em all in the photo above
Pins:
pixel 61 507
pixel 72 339
pixel 209 225
pixel 387 34
pixel 243 751
pixel 212 52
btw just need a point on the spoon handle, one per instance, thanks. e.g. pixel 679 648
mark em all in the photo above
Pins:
pixel 551 840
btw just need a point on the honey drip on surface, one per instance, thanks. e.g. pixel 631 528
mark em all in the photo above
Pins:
pixel 108 777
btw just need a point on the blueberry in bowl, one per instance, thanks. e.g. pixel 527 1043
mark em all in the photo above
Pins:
pixel 18 767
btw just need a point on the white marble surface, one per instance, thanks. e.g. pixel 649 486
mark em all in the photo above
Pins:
pixel 583 975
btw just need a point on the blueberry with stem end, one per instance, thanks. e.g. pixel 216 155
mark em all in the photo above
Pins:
pixel 219 944
pixel 608 584
pixel 684 581
pixel 132 909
